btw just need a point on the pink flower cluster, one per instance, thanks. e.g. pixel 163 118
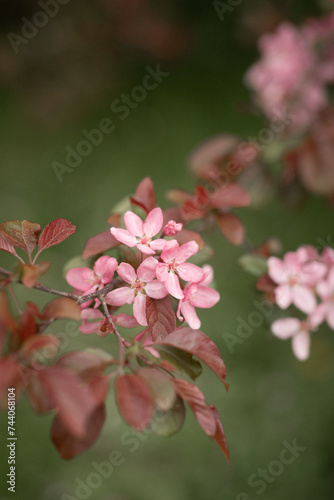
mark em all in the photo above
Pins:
pixel 304 279
pixel 296 66
pixel 156 276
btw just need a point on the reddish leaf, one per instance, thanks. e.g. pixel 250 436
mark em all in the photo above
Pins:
pixel 161 387
pixel 134 401
pixel 55 232
pixel 9 377
pixel 232 228
pixel 115 220
pixel 42 347
pixel 219 436
pixel 7 247
pixel 195 399
pixel 231 195
pixel 70 446
pixel 30 273
pixel 144 195
pixel 61 308
pixel 160 317
pixel 185 236
pixel 28 325
pixel 99 387
pixel 207 415
pixel 99 244
pixel 198 344
pixel 85 364
pixel 21 234
pixel 178 196
pixel 206 160
pixel 173 213
pixel 6 317
pixel 73 401
pixel 39 398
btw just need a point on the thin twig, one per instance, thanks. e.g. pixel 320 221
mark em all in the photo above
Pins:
pixel 121 350
pixel 79 299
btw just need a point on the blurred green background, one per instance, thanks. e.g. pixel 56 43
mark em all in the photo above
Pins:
pixel 63 81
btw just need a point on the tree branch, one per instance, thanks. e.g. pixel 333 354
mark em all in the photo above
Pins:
pixel 80 299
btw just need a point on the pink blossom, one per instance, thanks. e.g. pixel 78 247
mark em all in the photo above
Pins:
pixel 325 310
pixel 88 280
pixel 174 266
pixel 198 295
pixel 143 283
pixel 290 78
pixel 328 257
pixel 93 319
pixel 139 234
pixel 295 276
pixel 171 228
pixel 298 331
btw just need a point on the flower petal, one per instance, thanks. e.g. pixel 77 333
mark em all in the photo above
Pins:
pixel 283 296
pixel 285 328
pixel 158 244
pixel 105 267
pixel 208 275
pixel 276 270
pixel 125 320
pixel 91 314
pixel 187 250
pixel 127 273
pixel 139 309
pixel 330 316
pixel 88 328
pixel 80 278
pixel 145 249
pixel 170 251
pixel 120 296
pixel 124 236
pixel 156 290
pixel 205 297
pixel 133 224
pixel 153 222
pixel 304 299
pixel 190 272
pixel 190 316
pixel 161 272
pixel 301 344
pixel 147 270
pixel 173 286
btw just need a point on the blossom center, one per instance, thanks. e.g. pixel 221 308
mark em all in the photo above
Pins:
pixel 145 240
pixel 138 287
pixel 172 266
pixel 293 280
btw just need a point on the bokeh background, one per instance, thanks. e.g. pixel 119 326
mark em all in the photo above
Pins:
pixel 63 81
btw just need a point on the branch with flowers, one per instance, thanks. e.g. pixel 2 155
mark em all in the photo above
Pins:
pixel 155 284
pixel 153 275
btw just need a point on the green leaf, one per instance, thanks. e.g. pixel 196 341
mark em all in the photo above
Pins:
pixel 169 422
pixel 253 264
pixel 183 361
